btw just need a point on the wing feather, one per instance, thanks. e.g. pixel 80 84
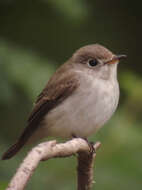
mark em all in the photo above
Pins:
pixel 58 89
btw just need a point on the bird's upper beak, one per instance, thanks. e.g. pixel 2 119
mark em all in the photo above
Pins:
pixel 116 59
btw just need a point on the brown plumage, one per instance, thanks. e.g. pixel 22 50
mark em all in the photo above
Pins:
pixel 70 102
pixel 58 88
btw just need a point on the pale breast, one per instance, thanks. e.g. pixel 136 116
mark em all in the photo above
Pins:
pixel 85 111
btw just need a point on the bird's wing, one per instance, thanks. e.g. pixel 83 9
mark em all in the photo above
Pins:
pixel 58 89
pixel 50 97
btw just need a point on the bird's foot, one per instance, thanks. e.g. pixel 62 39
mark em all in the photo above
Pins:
pixel 90 144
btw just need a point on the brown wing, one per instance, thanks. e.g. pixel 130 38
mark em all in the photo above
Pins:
pixel 58 88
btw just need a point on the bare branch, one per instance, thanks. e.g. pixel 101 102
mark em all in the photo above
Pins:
pixel 85 168
pixel 50 149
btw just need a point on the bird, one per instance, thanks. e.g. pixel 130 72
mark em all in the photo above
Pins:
pixel 78 99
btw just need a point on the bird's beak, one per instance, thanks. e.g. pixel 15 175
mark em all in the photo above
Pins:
pixel 116 59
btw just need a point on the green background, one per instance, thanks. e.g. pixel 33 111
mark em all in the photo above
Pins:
pixel 35 38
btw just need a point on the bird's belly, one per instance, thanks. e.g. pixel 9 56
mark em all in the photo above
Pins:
pixel 82 114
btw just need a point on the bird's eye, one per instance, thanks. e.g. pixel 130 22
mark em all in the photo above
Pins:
pixel 93 62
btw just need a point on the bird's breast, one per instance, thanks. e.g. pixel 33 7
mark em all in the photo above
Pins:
pixel 85 111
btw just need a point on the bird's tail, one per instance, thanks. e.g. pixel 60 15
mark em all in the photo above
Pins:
pixel 23 139
pixel 12 150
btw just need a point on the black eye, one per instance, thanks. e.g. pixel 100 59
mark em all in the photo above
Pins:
pixel 93 62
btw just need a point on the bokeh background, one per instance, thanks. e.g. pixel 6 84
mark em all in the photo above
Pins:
pixel 35 38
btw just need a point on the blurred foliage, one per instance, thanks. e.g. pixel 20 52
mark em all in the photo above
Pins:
pixel 35 38
pixel 71 9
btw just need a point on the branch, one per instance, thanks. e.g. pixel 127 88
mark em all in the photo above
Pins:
pixel 50 149
pixel 85 168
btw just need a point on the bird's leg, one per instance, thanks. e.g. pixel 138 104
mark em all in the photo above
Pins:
pixel 90 144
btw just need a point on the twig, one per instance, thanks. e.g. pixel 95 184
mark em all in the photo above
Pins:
pixel 50 149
